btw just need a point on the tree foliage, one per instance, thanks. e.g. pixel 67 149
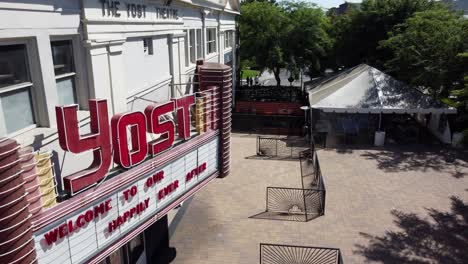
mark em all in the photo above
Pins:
pixel 346 49
pixel 291 35
pixel 308 41
pixel 251 1
pixel 425 48
pixel 359 32
pixel 417 41
pixel 263 28
pixel 421 42
pixel 459 98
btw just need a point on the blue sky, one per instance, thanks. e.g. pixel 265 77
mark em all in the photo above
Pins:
pixel 332 3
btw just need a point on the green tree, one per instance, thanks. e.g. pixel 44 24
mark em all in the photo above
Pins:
pixel 342 32
pixel 263 29
pixel 359 32
pixel 459 98
pixel 251 1
pixel 425 48
pixel 292 35
pixel 308 41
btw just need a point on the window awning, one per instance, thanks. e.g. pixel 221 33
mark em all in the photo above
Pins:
pixel 364 89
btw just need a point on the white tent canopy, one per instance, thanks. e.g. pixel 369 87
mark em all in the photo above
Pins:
pixel 364 89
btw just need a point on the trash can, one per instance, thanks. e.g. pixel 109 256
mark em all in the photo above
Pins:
pixel 379 139
pixel 457 140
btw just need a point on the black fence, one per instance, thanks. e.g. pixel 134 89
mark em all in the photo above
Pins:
pixel 283 147
pixel 311 174
pixel 258 93
pixel 287 254
pixel 268 125
pixel 293 204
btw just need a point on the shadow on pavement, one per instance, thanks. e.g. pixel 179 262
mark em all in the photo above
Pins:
pixel 441 238
pixel 283 216
pixel 257 157
pixel 454 162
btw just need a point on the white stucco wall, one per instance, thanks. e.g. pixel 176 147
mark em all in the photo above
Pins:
pixel 109 58
pixel 227 19
pixel 146 71
pixel 192 17
pixel 36 23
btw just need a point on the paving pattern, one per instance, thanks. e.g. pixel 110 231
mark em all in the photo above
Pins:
pixel 363 187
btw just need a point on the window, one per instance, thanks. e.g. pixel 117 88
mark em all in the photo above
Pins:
pixel 194 45
pixel 211 40
pixel 130 253
pixel 199 43
pixel 148 46
pixel 15 89
pixel 228 39
pixel 117 257
pixel 192 39
pixel 136 247
pixel 64 67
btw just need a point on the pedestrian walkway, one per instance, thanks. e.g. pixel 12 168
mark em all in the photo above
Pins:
pixel 363 187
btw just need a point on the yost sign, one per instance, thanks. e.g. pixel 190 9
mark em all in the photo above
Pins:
pixel 111 139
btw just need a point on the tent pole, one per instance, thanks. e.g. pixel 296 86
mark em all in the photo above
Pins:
pixel 311 127
pixel 380 119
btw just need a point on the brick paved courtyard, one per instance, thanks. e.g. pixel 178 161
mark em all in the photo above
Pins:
pixel 378 208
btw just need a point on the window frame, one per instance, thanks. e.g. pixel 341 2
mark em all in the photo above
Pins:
pixel 31 86
pixel 208 41
pixel 148 43
pixel 199 43
pixel 126 254
pixel 72 74
pixel 196 45
pixel 192 46
pixel 228 39
pixel 81 93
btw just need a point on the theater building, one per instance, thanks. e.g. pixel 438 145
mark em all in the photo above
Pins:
pixel 112 113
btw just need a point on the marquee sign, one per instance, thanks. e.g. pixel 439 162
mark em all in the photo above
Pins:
pixel 99 141
pixel 78 237
pixel 154 174
pixel 82 234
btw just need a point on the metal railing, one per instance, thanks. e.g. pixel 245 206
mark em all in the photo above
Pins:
pixel 289 254
pixel 293 204
pixel 287 147
pixel 311 173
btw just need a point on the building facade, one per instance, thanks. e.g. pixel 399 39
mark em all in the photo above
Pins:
pixel 122 109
